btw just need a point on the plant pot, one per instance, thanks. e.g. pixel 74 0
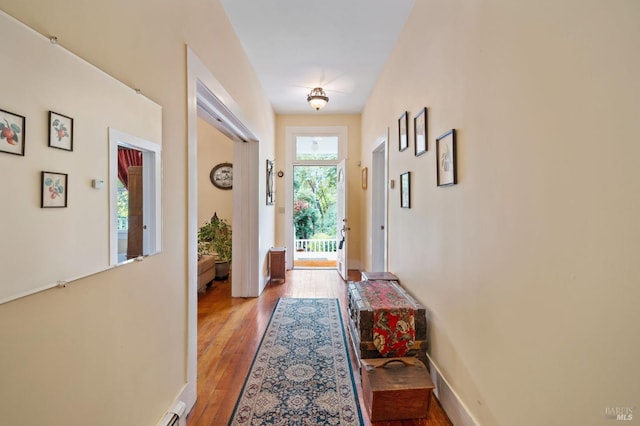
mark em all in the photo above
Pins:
pixel 222 270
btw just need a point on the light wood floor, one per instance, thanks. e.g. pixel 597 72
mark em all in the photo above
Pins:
pixel 230 330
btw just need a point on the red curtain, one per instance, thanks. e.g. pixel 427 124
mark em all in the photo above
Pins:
pixel 127 158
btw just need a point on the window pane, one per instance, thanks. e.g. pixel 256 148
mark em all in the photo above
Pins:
pixel 316 147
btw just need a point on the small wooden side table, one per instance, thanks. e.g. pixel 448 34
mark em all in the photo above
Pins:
pixel 378 276
pixel 277 270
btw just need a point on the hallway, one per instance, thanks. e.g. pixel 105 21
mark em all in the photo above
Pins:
pixel 230 330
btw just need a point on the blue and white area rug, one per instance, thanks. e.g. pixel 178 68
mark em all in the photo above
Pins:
pixel 301 374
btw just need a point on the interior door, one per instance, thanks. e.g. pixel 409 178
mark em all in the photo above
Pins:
pixel 134 241
pixel 379 210
pixel 343 224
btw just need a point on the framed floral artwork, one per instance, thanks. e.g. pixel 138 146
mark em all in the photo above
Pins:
pixel 405 190
pixel 365 177
pixel 403 135
pixel 420 132
pixel 446 158
pixel 270 190
pixel 12 133
pixel 60 131
pixel 54 189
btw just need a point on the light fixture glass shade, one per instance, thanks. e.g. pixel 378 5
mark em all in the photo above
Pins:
pixel 317 98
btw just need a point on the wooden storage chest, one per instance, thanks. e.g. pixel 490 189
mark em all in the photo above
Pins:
pixel 396 388
pixel 361 322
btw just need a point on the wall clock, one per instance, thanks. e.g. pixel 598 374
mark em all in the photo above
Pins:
pixel 222 176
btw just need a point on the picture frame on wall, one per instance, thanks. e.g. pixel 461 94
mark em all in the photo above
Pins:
pixel 12 129
pixel 405 190
pixel 60 131
pixel 270 190
pixel 446 158
pixel 420 127
pixel 365 177
pixel 54 189
pixel 403 136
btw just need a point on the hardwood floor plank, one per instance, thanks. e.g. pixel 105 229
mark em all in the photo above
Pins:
pixel 230 331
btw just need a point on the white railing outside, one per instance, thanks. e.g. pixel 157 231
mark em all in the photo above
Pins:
pixel 123 224
pixel 316 246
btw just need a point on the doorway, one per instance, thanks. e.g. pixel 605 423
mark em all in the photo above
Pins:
pixel 313 156
pixel 204 93
pixel 314 216
pixel 379 195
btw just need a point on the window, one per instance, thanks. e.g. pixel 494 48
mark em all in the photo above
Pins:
pixel 134 203
pixel 313 148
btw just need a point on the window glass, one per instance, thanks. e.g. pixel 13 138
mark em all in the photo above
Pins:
pixel 316 148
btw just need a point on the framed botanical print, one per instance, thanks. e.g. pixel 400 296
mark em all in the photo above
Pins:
pixel 269 183
pixel 12 133
pixel 403 136
pixel 54 189
pixel 405 190
pixel 420 132
pixel 446 158
pixel 365 177
pixel 60 131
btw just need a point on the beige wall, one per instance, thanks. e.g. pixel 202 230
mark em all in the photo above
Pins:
pixel 355 192
pixel 529 266
pixel 213 148
pixel 111 349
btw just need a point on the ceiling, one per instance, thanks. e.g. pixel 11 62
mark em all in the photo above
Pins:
pixel 339 45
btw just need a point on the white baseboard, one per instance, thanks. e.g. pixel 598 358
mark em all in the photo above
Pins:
pixel 451 403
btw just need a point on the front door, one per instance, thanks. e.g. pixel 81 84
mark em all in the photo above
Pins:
pixel 343 225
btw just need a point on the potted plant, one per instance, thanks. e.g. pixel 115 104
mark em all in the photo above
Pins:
pixel 216 237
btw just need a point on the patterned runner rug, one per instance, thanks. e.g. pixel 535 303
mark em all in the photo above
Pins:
pixel 301 374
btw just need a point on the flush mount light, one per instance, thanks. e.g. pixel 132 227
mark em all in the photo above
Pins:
pixel 317 98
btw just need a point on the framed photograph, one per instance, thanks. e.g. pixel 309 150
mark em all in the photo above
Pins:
pixel 60 131
pixel 420 132
pixel 269 182
pixel 405 190
pixel 365 177
pixel 54 190
pixel 446 158
pixel 403 137
pixel 12 133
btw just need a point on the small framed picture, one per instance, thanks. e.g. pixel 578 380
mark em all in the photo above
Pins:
pixel 269 182
pixel 446 158
pixel 12 133
pixel 405 190
pixel 365 177
pixel 420 132
pixel 403 137
pixel 54 190
pixel 60 131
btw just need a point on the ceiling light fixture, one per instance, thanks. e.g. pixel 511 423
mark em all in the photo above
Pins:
pixel 317 98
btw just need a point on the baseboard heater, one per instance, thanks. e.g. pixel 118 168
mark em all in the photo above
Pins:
pixel 173 416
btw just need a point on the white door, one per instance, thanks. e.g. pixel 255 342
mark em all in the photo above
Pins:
pixel 379 209
pixel 343 224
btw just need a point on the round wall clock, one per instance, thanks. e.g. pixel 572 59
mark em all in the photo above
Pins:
pixel 222 176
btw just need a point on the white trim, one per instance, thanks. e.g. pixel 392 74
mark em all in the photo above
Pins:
pixel 451 402
pixel 206 93
pixel 290 134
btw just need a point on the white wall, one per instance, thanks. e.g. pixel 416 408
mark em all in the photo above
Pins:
pixel 529 266
pixel 213 148
pixel 111 349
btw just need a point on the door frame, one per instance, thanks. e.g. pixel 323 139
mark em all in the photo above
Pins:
pixel 291 132
pixel 204 92
pixel 380 204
